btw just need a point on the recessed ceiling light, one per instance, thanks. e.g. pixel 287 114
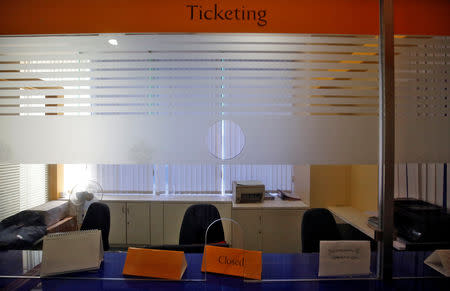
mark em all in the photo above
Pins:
pixel 113 42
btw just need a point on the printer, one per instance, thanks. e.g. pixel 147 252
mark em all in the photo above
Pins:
pixel 248 191
pixel 421 222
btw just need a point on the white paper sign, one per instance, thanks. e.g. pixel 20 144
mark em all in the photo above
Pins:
pixel 337 258
pixel 440 261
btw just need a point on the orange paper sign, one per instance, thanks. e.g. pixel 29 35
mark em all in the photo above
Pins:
pixel 229 261
pixel 155 263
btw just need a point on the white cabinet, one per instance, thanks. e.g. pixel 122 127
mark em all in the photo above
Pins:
pixel 156 223
pixel 138 223
pixel 117 231
pixel 153 223
pixel 281 231
pixel 130 223
pixel 270 230
pixel 173 216
pixel 250 221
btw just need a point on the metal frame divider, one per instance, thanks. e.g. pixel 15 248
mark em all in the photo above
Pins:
pixel 386 139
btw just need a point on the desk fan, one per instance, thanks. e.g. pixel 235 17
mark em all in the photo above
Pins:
pixel 84 194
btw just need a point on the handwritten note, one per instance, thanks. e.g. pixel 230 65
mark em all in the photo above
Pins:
pixel 338 258
pixel 440 261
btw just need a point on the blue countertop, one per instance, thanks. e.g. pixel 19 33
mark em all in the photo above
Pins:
pixel 280 271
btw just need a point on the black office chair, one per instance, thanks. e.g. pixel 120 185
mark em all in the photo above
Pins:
pixel 196 220
pixel 98 217
pixel 318 224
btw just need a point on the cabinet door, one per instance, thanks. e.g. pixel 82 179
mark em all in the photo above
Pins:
pixel 173 216
pixel 281 231
pixel 138 223
pixel 117 231
pixel 225 212
pixel 250 221
pixel 156 223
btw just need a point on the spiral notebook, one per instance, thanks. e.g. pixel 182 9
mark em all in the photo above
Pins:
pixel 72 251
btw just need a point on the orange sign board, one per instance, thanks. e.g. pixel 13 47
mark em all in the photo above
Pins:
pixel 254 16
pixel 230 261
pixel 155 263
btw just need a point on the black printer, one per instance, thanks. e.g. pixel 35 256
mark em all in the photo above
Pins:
pixel 419 221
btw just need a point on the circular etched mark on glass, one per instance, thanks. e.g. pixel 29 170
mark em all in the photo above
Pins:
pixel 226 139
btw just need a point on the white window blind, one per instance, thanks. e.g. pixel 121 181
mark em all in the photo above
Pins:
pixel 22 186
pixel 126 179
pixel 9 189
pixel 161 177
pixel 428 182
pixel 33 185
pixel 176 178
pixel 195 179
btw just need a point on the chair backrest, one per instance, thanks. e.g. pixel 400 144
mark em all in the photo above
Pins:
pixel 318 224
pixel 98 217
pixel 196 220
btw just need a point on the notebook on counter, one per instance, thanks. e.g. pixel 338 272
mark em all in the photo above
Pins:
pixel 74 251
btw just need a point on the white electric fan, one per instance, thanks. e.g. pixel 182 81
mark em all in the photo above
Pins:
pixel 84 194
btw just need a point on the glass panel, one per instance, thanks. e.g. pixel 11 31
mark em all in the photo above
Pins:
pixel 298 98
pixel 422 151
pixel 225 139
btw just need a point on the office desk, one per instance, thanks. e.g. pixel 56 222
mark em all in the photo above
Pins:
pixel 358 219
pixel 354 217
pixel 280 271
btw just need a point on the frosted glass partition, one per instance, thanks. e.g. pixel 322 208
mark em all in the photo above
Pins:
pixel 225 139
pixel 422 66
pixel 422 150
pixel 298 99
pixel 422 119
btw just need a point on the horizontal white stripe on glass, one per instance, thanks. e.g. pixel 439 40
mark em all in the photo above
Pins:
pixel 321 91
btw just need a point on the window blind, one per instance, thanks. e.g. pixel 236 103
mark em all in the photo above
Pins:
pixel 176 178
pixel 425 181
pixel 9 189
pixel 126 179
pixel 33 185
pixel 194 179
pixel 22 186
